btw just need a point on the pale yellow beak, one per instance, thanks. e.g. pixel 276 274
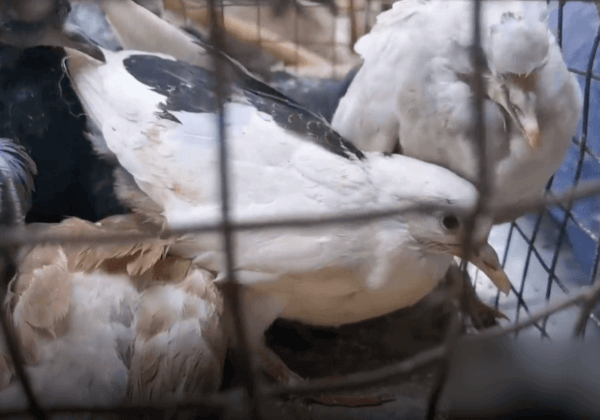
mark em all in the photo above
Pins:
pixel 524 115
pixel 528 125
pixel 485 258
pixel 532 134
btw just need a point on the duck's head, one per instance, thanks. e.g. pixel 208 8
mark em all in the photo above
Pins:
pixel 32 23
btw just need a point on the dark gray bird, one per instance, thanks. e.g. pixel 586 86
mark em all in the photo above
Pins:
pixel 30 23
pixel 40 111
pixel 17 170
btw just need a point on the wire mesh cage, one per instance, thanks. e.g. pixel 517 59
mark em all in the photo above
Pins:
pixel 550 255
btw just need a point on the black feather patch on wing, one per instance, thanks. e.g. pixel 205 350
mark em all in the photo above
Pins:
pixel 187 88
pixel 295 118
pixel 192 89
pixel 320 96
pixel 290 114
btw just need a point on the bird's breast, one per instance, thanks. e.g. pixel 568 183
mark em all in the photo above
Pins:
pixel 334 297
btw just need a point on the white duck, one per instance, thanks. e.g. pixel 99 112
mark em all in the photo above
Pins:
pixel 414 91
pixel 158 117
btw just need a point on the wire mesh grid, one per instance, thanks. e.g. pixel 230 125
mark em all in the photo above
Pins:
pixel 558 205
pixel 565 215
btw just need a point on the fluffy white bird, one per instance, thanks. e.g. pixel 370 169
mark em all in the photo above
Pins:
pixel 415 91
pixel 105 324
pixel 158 118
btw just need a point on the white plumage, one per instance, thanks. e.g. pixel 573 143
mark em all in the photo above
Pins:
pixel 157 116
pixel 415 91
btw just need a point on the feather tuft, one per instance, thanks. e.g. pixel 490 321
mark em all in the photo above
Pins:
pixel 46 302
pixel 17 171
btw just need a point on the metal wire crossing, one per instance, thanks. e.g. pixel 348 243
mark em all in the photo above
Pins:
pixel 214 406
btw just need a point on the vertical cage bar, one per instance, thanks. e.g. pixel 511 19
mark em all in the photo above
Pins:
pixel 334 46
pixel 353 26
pixel 296 39
pixel 559 28
pixel 243 357
pixel 258 23
pixel 367 18
pixel 483 186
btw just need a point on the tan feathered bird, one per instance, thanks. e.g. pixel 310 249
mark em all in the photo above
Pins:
pixel 101 324
pixel 105 324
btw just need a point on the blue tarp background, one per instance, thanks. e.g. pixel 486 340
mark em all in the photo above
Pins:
pixel 579 30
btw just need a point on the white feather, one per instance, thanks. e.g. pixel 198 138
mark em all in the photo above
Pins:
pixel 411 91
pixel 321 275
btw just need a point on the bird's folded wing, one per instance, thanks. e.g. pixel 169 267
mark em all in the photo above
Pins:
pixel 162 128
pixel 181 340
pixel 400 42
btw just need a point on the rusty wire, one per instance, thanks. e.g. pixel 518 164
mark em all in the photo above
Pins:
pixel 242 351
pixel 483 187
pixel 19 236
pixel 439 355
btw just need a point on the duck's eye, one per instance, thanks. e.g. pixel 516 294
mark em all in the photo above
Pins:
pixel 450 222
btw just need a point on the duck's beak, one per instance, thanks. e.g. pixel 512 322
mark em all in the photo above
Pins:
pixel 526 118
pixel 485 258
pixel 531 131
pixel 527 123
